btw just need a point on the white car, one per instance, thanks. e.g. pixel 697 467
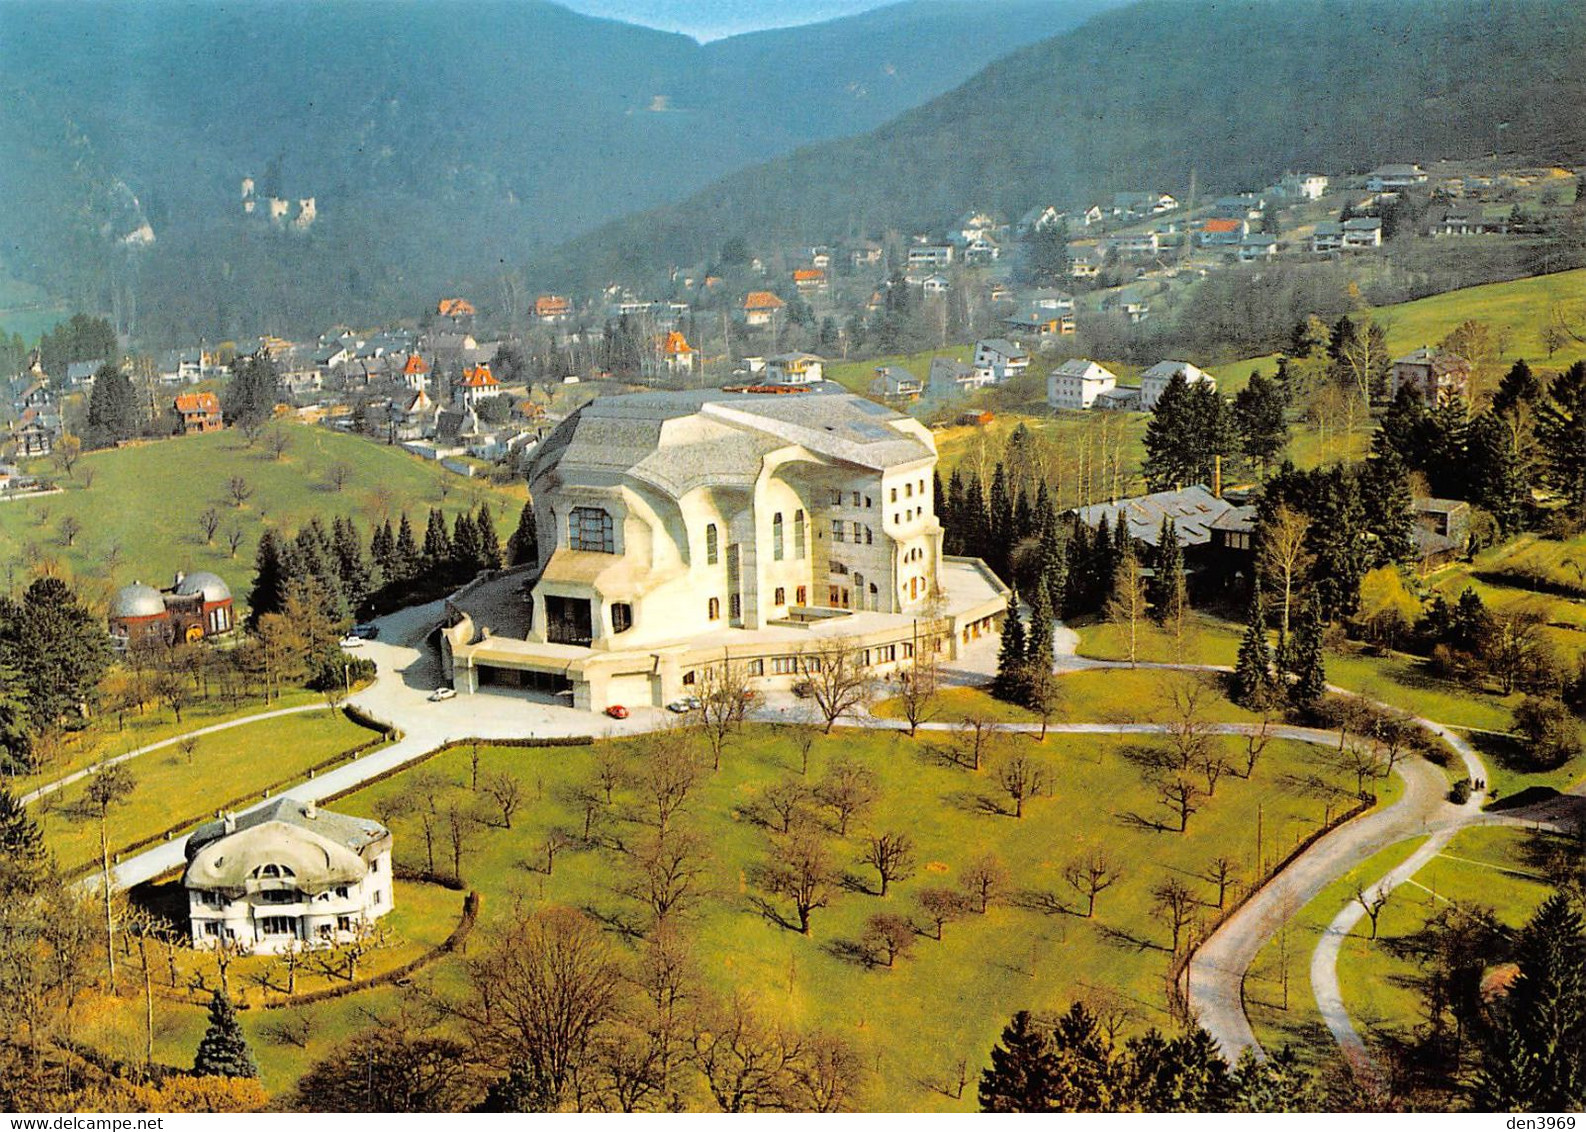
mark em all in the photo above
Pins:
pixel 352 642
pixel 686 704
pixel 440 694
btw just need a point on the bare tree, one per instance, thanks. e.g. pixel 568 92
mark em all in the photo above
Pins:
pixel 188 745
pixel 555 841
pixel 838 682
pixel 1190 734
pixel 1174 906
pixel 668 775
pixel 804 734
pixel 1091 875
pixel 338 474
pixel 973 739
pixel 787 802
pixel 108 788
pixel 1043 694
pixel 611 772
pixel 747 1064
pixel 1212 767
pixel 1256 744
pixel 890 934
pixel 276 442
pixel 67 452
pixel 916 681
pixel 725 695
pixel 891 855
pixel 462 833
pixel 1223 872
pixel 668 873
pixel 1182 796
pixel 1023 777
pixel 848 789
pixel 234 540
pixel 70 527
pixel 1126 608
pixel 238 490
pixel 1372 902
pixel 507 793
pixel 209 523
pixel 801 870
pixel 1284 559
pixel 941 906
pixel 984 881
pixel 1360 757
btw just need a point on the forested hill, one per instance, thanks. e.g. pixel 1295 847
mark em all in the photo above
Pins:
pixel 437 139
pixel 1139 97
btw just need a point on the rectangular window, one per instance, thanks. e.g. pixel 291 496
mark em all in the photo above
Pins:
pixel 781 595
pixel 377 898
pixel 344 923
pixel 864 659
pixel 756 667
pixel 908 650
pixel 374 865
pixel 212 929
pixel 870 536
pixel 837 498
pixel 856 499
pixel 591 528
pixel 278 925
pixel 839 531
pixel 887 653
pixel 279 896
pixel 894 495
pixel 734 607
pixel 621 617
pixel 868 503
pixel 342 892
pixel 908 491
pixel 783 665
pixel 776 536
pixel 798 534
pixel 801 596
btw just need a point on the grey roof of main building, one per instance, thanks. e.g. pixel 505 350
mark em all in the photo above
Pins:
pixel 353 833
pixel 1194 510
pixel 626 435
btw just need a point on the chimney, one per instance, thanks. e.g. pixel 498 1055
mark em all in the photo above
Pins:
pixel 1217 476
pixel 180 575
pixel 229 821
pixel 310 810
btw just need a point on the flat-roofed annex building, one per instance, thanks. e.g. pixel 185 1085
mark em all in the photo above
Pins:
pixel 681 529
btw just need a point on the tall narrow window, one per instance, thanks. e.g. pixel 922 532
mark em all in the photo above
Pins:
pixel 798 534
pixel 839 532
pixel 713 609
pixel 621 617
pixel 781 595
pixel 712 545
pixel 776 536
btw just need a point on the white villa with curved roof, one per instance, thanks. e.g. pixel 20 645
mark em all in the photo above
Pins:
pixel 287 871
pixel 682 529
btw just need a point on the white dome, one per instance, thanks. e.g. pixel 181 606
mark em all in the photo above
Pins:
pixel 205 583
pixel 137 600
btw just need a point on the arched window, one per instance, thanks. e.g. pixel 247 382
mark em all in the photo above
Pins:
pixel 713 608
pixel 591 528
pixel 870 536
pixel 798 534
pixel 712 545
pixel 781 595
pixel 776 536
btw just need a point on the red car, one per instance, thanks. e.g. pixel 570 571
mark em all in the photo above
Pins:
pixel 617 711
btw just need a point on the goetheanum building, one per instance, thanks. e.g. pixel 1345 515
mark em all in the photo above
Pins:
pixel 680 530
pixel 285 872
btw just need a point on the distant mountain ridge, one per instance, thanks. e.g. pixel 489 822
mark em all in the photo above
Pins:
pixel 1138 98
pixel 436 139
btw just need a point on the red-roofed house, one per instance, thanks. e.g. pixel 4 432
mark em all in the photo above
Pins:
pixel 553 308
pixel 199 412
pixel 1226 232
pixel 455 309
pixel 678 355
pixel 808 280
pixel 760 307
pixel 477 383
pixel 416 371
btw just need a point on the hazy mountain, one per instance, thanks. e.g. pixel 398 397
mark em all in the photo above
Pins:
pixel 1140 97
pixel 715 19
pixel 436 139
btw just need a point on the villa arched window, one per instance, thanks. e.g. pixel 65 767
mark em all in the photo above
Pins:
pixel 776 536
pixel 798 534
pixel 713 609
pixel 712 545
pixel 781 595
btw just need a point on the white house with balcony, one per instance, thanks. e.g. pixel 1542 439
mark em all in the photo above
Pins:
pixel 286 872
pixel 1077 383
pixel 1154 381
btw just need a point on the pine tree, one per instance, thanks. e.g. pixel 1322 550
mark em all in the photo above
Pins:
pixel 1009 682
pixel 115 411
pixel 974 524
pixel 270 575
pixel 382 553
pixel 1052 562
pixel 1019 1078
pixel 352 568
pixel 523 548
pixel 943 504
pixel 1498 473
pixel 1310 674
pixel 223 1051
pixel 1001 523
pixel 1080 561
pixel 467 550
pixel 489 541
pixel 1038 640
pixel 954 517
pixel 1561 427
pixel 23 859
pixel 1253 681
pixel 1389 508
pixel 1169 588
pixel 408 559
pixel 437 555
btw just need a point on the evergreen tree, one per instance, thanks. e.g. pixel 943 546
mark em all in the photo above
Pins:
pixel 270 575
pixel 1498 473
pixel 57 650
pixel 352 568
pixel 1001 523
pixel 1310 674
pixel 314 559
pixel 1052 561
pixel 437 555
pixel 975 525
pixel 1080 562
pixel 115 411
pixel 1019 1078
pixel 1535 1058
pixel 1259 420
pixel 1389 513
pixel 1086 1074
pixel 489 541
pixel 1009 681
pixel 382 552
pixel 1023 518
pixel 1274 1084
pixel 1168 591
pixel 524 546
pixel 253 392
pixel 23 858
pixel 1191 427
pixel 1038 650
pixel 407 558
pixel 953 516
pixel 467 550
pixel 1181 1074
pixel 1561 427
pixel 223 1051
pixel 1519 387
pixel 1253 681
pixel 1048 257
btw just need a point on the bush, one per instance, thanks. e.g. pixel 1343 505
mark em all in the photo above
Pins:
pixel 1552 736
pixel 1459 793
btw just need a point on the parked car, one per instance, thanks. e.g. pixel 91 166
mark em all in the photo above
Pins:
pixel 617 711
pixel 367 631
pixel 352 642
pixel 804 689
pixel 686 704
pixel 440 694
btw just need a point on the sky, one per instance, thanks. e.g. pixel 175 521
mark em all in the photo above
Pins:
pixel 713 19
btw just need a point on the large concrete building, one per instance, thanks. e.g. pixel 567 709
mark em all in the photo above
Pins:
pixel 681 529
pixel 286 872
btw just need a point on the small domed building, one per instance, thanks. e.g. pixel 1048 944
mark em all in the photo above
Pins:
pixel 196 607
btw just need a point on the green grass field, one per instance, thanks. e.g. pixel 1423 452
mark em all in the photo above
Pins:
pixel 169 788
pixel 1117 695
pixel 139 519
pixel 953 996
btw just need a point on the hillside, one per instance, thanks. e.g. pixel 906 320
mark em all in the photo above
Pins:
pixel 438 141
pixel 1141 97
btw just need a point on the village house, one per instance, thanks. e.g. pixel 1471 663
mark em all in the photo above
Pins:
pixel 1441 531
pixel 866 253
pixel 1193 509
pixel 1041 322
pixel 36 432
pixel 797 368
pixel 477 384
pixel 1004 359
pixel 552 309
pixel 286 874
pixel 1137 205
pixel 809 280
pixel 1154 381
pixel 1224 231
pixel 1135 243
pixel 1327 236
pixel 1436 376
pixel 1039 219
pixel 677 355
pixel 1391 178
pixel 415 372
pixel 1303 186
pixel 894 383
pixel 1362 232
pixel 685 530
pixel 1077 383
pixel 457 310
pixel 933 284
pixel 195 607
pixel 1257 247
pixel 929 255
pixel 1129 302
pixel 1085 261
pixel 950 379
pixel 199 412
pixel 760 308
